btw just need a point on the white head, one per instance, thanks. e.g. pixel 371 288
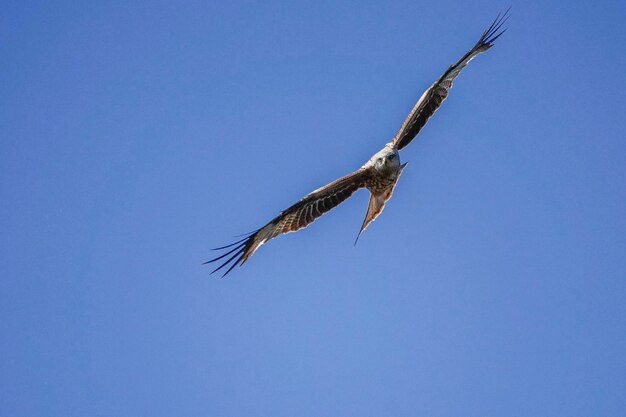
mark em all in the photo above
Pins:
pixel 386 161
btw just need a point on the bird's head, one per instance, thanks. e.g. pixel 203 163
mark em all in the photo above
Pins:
pixel 386 161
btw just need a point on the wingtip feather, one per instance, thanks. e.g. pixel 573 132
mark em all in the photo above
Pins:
pixel 235 254
pixel 493 32
pixel 239 254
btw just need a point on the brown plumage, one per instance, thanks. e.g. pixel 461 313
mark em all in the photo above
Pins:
pixel 296 217
pixel 381 189
pixel 379 175
pixel 434 96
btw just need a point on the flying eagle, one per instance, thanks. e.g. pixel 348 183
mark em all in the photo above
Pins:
pixel 379 175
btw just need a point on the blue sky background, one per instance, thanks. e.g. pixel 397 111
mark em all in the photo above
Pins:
pixel 137 135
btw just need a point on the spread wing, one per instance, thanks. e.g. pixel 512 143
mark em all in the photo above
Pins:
pixel 296 217
pixel 432 98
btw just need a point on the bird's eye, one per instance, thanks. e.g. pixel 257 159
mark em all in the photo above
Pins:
pixel 392 156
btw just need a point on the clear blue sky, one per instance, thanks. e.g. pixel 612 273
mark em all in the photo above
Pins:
pixel 137 135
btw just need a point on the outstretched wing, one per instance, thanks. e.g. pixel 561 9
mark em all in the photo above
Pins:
pixel 296 217
pixel 432 98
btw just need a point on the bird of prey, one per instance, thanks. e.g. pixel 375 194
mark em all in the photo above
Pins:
pixel 379 175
